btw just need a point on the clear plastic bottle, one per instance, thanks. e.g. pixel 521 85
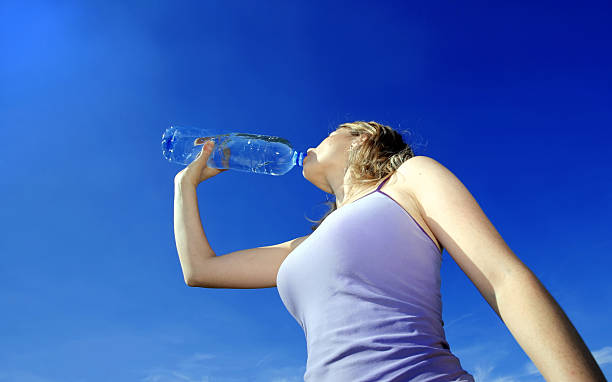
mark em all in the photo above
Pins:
pixel 261 154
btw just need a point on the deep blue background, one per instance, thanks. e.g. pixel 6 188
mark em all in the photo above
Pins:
pixel 514 98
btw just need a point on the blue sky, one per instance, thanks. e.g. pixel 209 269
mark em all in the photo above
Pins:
pixel 514 99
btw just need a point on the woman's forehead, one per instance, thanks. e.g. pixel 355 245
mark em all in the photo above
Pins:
pixel 337 131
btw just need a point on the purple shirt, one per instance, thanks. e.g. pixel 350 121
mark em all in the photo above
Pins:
pixel 365 288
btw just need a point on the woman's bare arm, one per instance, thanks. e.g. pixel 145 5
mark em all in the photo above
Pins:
pixel 249 268
pixel 544 331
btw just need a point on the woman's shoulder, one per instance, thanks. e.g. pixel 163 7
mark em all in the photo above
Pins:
pixel 406 173
pixel 417 160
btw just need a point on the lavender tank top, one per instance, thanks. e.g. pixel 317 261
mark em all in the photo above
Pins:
pixel 365 288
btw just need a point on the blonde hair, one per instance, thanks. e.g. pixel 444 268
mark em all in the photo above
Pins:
pixel 381 153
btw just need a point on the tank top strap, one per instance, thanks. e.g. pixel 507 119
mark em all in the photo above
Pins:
pixel 383 182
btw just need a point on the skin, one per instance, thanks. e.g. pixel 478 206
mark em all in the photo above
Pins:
pixel 325 166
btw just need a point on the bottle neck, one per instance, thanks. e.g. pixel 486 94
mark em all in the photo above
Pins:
pixel 298 158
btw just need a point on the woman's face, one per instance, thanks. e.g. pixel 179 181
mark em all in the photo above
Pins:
pixel 333 150
pixel 329 158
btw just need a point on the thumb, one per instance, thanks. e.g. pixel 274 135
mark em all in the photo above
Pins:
pixel 208 145
pixel 206 149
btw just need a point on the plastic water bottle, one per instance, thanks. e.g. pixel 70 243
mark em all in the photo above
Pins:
pixel 261 154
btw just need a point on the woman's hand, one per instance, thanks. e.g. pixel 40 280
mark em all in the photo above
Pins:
pixel 197 171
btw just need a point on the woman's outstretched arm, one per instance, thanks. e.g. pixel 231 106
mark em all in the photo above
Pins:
pixel 534 318
pixel 544 331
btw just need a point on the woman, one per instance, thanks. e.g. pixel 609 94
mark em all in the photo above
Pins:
pixel 364 285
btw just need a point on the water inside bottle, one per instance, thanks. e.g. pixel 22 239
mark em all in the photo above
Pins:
pixel 256 153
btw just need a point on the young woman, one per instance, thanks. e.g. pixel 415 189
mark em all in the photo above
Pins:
pixel 365 284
